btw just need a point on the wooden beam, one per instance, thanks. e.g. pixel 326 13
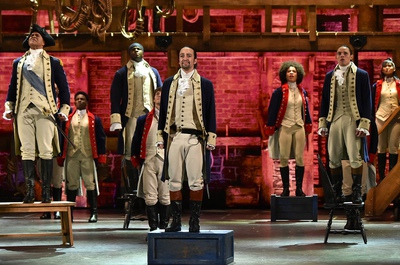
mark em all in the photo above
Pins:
pixel 268 18
pixel 226 4
pixel 250 42
pixel 312 23
pixel 206 25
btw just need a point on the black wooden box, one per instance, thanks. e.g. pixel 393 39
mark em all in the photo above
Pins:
pixel 294 208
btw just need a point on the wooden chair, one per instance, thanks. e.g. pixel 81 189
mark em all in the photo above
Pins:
pixel 331 204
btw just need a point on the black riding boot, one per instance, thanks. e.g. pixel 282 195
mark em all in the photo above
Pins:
pixel 352 222
pixel 176 211
pixel 337 182
pixel 392 160
pixel 164 215
pixel 57 193
pixel 152 216
pixel 299 171
pixel 194 221
pixel 196 198
pixel 92 199
pixel 357 177
pixel 381 166
pixel 28 167
pixel 285 181
pixel 46 171
pixel 71 197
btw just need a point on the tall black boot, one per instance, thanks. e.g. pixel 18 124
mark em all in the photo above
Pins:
pixel 92 199
pixel 352 222
pixel 152 216
pixel 194 221
pixel 176 211
pixel 46 172
pixel 356 187
pixel 28 167
pixel 337 182
pixel 381 166
pixel 392 160
pixel 71 197
pixel 285 180
pixel 196 198
pixel 299 171
pixel 164 211
pixel 133 176
pixel 57 193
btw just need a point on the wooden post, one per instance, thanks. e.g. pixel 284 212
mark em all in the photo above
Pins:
pixel 379 197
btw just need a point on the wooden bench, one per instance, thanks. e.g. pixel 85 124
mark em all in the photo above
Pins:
pixel 64 207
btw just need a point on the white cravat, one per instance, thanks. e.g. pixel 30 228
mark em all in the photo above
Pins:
pixel 340 73
pixel 292 85
pixel 140 69
pixel 184 82
pixel 31 58
pixel 81 113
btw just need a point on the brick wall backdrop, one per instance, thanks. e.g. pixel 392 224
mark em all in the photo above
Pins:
pixel 240 81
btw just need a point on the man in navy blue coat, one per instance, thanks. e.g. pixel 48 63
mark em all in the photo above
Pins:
pixel 32 102
pixel 187 130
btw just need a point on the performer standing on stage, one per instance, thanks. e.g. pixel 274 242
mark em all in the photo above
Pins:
pixel 32 102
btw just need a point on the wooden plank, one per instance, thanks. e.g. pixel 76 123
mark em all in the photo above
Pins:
pixel 18 235
pixel 44 4
pixel 391 117
pixel 64 207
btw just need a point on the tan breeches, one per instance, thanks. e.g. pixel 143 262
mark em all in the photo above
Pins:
pixel 154 188
pixel 185 155
pixel 342 139
pixel 79 166
pixel 389 139
pixel 291 137
pixel 35 129
pixel 129 131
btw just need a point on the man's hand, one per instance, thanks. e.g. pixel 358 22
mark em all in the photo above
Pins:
pixel 323 132
pixel 360 133
pixel 61 117
pixel 8 115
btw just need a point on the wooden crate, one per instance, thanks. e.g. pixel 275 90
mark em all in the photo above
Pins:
pixel 207 247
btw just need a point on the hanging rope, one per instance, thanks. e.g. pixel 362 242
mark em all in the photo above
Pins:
pixel 96 15
pixel 135 14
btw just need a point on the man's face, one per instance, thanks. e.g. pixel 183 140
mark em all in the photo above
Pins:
pixel 136 54
pixel 157 99
pixel 80 102
pixel 343 56
pixel 291 74
pixel 36 41
pixel 186 59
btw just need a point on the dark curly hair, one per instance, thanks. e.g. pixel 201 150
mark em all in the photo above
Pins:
pixel 285 66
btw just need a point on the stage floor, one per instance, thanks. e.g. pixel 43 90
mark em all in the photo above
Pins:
pixel 257 240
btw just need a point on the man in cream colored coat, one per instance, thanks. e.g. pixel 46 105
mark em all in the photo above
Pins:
pixel 32 102
pixel 187 130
